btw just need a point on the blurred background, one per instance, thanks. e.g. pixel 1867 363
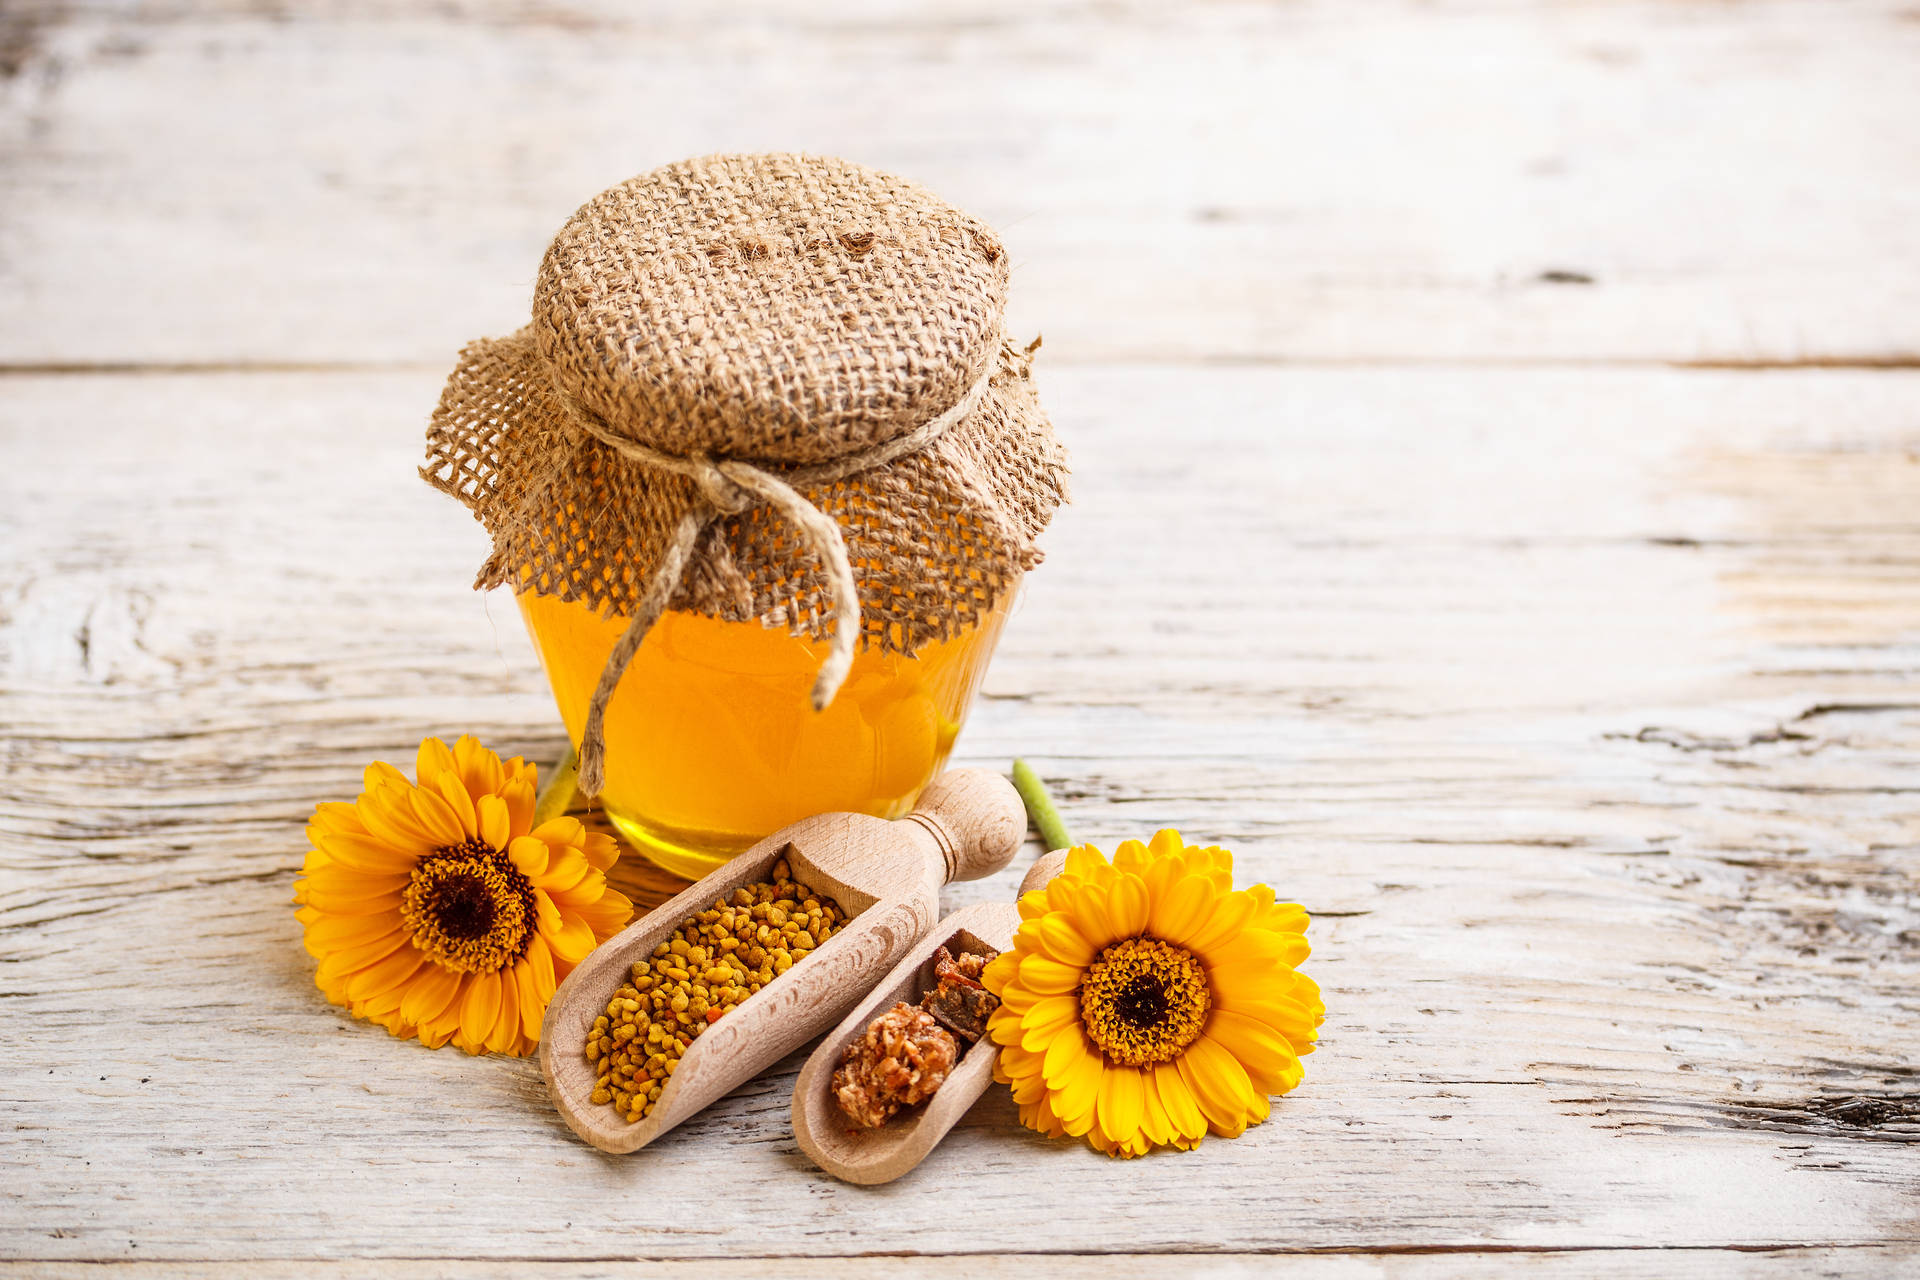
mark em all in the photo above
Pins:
pixel 1480 181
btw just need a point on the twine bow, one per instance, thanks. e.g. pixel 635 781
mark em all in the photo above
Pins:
pixel 728 486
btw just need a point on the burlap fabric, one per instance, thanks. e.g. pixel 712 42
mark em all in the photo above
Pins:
pixel 791 314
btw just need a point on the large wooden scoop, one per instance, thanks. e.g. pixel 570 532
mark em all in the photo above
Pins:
pixel 886 875
pixel 870 1156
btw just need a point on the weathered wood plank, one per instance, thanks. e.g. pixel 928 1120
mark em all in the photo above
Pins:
pixel 1581 705
pixel 1616 1264
pixel 1333 181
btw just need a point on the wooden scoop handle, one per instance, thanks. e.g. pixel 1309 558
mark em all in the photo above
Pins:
pixel 870 1156
pixel 977 820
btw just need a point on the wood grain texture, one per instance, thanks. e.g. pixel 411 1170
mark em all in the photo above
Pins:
pixel 1579 706
pixel 1341 180
pixel 1581 703
pixel 1874 1261
pixel 868 1157
pixel 885 875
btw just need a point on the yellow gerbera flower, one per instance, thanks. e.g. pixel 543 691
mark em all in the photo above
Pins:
pixel 437 909
pixel 1146 1001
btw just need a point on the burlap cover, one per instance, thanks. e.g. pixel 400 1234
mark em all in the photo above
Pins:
pixel 783 310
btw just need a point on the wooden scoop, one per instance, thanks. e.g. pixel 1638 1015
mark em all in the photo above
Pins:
pixel 870 1156
pixel 886 875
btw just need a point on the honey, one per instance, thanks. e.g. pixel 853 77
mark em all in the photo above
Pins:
pixel 712 742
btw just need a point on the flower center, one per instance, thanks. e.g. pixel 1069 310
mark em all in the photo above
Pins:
pixel 1144 1001
pixel 469 908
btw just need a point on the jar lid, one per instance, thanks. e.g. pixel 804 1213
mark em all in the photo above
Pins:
pixel 834 330
pixel 782 308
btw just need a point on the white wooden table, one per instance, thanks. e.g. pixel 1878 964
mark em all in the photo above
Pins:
pixel 1497 439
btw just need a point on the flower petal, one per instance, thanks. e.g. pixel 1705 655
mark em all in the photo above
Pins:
pixel 1228 915
pixel 1122 1106
pixel 1063 1055
pixel 351 883
pixel 1127 906
pixel 601 851
pixel 1262 1052
pixel 432 990
pixel 1084 860
pixel 1073 1095
pixel 533 1005
pixel 1181 910
pixel 607 915
pixel 566 867
pixel 496 824
pixel 380 774
pixel 1250 951
pixel 1048 976
pixel 1000 973
pixel 453 793
pixel 539 961
pixel 1183 1112
pixel 1131 856
pixel 336 903
pixel 562 831
pixel 1089 911
pixel 1154 1124
pixel 520 795
pixel 546 912
pixel 432 760
pixel 388 815
pixel 1281 1014
pixel 369 854
pixel 1056 935
pixel 385 975
pixel 505 1033
pixel 1220 1085
pixel 1003 1028
pixel 529 854
pixel 479 1011
pixel 1039 1117
pixel 479 769
pixel 572 941
pixel 587 889
pixel 342 933
pixel 1162 873
pixel 1040 1024
pixel 336 964
pixel 336 815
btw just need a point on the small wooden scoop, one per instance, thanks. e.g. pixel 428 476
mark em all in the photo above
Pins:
pixel 887 875
pixel 870 1156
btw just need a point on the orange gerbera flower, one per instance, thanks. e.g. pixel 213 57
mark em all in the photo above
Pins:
pixel 438 910
pixel 1146 1001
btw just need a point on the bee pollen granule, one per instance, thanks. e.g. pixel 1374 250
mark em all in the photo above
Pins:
pixel 711 964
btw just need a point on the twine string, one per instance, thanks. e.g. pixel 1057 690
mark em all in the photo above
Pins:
pixel 728 486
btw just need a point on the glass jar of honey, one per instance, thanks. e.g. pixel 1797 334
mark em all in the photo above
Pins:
pixel 711 742
pixel 765 477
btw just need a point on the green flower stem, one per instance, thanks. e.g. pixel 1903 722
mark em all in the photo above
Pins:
pixel 1046 819
pixel 556 797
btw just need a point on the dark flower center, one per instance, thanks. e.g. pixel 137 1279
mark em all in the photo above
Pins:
pixel 1144 1001
pixel 469 908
